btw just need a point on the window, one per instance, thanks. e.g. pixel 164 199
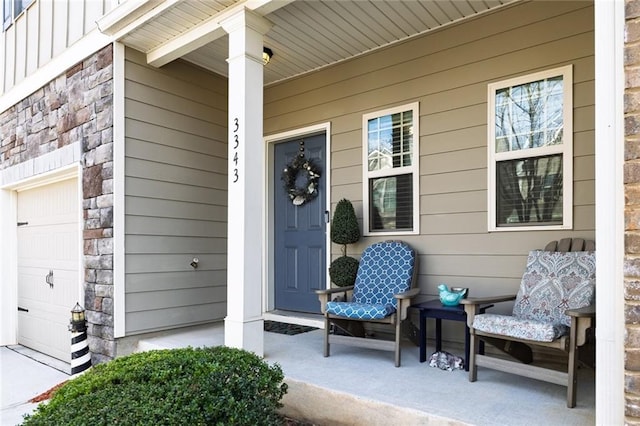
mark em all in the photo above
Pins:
pixel 11 9
pixel 390 171
pixel 530 152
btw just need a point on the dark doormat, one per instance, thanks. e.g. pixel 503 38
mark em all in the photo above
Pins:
pixel 284 328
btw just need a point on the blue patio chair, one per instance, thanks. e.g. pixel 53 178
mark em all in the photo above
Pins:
pixel 381 294
pixel 554 308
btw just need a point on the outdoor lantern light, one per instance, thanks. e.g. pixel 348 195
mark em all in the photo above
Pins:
pixel 78 320
pixel 266 55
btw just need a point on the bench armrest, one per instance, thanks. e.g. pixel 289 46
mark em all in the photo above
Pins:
pixel 325 295
pixel 487 300
pixel 407 294
pixel 404 301
pixel 586 312
pixel 581 321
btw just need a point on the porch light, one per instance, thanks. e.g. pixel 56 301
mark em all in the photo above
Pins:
pixel 266 55
pixel 78 320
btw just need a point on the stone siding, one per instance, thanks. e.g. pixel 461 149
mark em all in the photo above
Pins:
pixel 632 212
pixel 76 107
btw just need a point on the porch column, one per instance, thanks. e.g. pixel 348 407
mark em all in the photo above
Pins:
pixel 243 327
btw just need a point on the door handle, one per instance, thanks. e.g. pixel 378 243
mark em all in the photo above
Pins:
pixel 49 278
pixel 326 216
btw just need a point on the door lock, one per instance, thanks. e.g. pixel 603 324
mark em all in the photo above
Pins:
pixel 49 278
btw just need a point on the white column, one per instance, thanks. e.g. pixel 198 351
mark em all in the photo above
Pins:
pixel 243 327
pixel 609 116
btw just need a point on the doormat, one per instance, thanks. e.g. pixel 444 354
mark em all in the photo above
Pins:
pixel 284 328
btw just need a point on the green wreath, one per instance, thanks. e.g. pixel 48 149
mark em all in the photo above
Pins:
pixel 306 192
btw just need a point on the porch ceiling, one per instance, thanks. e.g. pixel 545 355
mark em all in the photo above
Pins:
pixel 306 35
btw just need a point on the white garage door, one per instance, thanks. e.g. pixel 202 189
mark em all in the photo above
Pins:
pixel 48 261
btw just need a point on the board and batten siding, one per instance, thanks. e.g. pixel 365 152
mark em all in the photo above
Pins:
pixel 175 195
pixel 447 72
pixel 42 31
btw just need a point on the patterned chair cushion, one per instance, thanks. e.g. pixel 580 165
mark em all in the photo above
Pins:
pixel 361 311
pixel 554 282
pixel 521 328
pixel 385 269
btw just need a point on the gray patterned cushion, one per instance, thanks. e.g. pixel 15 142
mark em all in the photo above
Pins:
pixel 552 283
pixel 508 325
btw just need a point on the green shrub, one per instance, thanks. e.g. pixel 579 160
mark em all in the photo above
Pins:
pixel 343 271
pixel 210 386
pixel 344 230
pixel 344 227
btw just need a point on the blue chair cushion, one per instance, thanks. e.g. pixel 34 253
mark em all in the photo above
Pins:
pixel 360 311
pixel 520 328
pixel 385 269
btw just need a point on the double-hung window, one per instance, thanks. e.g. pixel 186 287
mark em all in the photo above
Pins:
pixel 11 9
pixel 530 151
pixel 390 171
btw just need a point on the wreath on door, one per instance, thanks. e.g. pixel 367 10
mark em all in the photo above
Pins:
pixel 300 195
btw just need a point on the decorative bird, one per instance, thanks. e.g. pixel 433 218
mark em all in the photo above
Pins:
pixel 450 298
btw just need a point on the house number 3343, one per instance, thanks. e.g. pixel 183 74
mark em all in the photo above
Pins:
pixel 236 144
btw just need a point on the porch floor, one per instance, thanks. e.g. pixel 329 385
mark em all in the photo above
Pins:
pixel 361 386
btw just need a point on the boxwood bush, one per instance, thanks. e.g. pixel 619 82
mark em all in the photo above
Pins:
pixel 208 386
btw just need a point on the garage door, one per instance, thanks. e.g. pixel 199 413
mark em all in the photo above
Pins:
pixel 48 261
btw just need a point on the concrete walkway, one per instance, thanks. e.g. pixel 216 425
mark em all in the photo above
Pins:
pixel 25 374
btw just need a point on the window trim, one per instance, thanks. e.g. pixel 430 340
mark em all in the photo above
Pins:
pixel 15 11
pixel 566 149
pixel 414 169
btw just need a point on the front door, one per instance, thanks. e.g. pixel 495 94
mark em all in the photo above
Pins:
pixel 300 230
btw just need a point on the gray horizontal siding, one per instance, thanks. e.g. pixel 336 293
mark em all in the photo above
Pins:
pixel 176 196
pixel 447 72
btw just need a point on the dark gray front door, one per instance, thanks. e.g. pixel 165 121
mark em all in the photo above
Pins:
pixel 300 232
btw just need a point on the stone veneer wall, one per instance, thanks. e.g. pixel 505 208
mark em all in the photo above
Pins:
pixel 632 211
pixel 77 107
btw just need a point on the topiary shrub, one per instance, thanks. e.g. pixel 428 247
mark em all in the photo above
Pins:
pixel 344 230
pixel 210 386
pixel 344 227
pixel 343 271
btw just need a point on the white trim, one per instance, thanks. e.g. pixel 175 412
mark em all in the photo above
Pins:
pixel 609 149
pixel 46 166
pixel 295 318
pixel 119 283
pixel 89 44
pixel 125 17
pixel 269 241
pixel 8 268
pixel 566 149
pixel 414 169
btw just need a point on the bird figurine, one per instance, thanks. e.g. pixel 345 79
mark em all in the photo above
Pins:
pixel 450 297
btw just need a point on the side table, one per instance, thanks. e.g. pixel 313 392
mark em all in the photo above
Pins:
pixel 435 309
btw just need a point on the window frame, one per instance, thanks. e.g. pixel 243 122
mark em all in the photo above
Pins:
pixel 413 169
pixel 17 8
pixel 565 150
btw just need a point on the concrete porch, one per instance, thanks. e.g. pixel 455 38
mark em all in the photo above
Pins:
pixel 360 386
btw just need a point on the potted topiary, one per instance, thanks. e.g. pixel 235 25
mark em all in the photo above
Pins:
pixel 344 231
